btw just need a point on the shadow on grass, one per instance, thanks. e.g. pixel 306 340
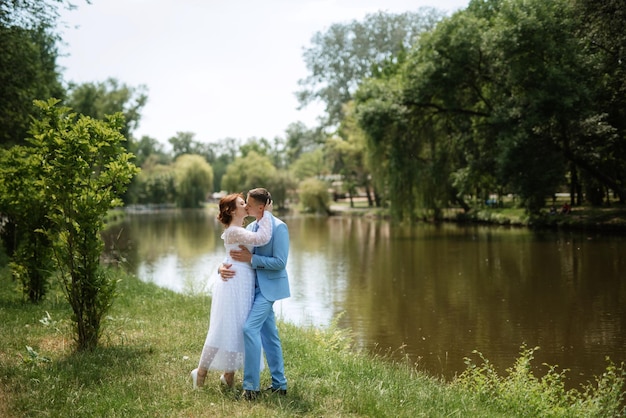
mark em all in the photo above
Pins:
pixel 37 384
pixel 103 363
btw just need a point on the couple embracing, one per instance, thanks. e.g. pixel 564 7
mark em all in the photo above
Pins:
pixel 253 277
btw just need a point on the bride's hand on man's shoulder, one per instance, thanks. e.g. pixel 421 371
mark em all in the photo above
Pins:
pixel 270 206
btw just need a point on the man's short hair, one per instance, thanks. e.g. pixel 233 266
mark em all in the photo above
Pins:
pixel 260 195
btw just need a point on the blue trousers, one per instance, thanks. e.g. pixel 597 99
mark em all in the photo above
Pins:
pixel 260 329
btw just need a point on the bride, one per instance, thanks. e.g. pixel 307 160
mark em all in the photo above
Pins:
pixel 231 298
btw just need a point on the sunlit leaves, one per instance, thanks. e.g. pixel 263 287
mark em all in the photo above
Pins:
pixel 84 169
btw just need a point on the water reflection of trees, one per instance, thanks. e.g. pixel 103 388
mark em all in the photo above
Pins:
pixel 445 291
pixel 149 238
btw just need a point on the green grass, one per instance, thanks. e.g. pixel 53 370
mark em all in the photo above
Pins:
pixel 152 341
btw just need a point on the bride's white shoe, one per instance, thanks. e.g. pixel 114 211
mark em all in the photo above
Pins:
pixel 194 378
pixel 223 380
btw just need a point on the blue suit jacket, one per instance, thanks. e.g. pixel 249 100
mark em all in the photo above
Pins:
pixel 270 262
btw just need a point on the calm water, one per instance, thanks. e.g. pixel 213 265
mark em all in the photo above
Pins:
pixel 432 293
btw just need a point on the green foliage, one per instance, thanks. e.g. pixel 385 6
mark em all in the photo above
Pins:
pixel 107 98
pixel 260 146
pixel 314 196
pixel 542 95
pixel 84 171
pixel 309 164
pixel 23 201
pixel 183 143
pixel 520 393
pixel 300 140
pixel 148 148
pixel 29 13
pixel 398 151
pixel 243 174
pixel 194 180
pixel 504 97
pixel 280 185
pixel 27 72
pixel 347 155
pixel 156 183
pixel 349 52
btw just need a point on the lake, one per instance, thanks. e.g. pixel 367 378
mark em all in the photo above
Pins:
pixel 431 294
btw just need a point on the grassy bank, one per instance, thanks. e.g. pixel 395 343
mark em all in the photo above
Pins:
pixel 153 339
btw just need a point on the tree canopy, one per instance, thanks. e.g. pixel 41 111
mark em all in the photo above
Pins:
pixel 501 97
pixel 346 53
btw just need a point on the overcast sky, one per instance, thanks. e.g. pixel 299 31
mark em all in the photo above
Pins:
pixel 217 68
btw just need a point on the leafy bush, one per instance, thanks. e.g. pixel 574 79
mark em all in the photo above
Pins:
pixel 83 171
pixel 24 206
pixel 520 393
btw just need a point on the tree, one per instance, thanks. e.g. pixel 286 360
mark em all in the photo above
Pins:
pixel 23 202
pixel 314 196
pixel 600 26
pixel 146 148
pixel 300 140
pixel 30 13
pixel 390 142
pixel 280 185
pixel 347 155
pixel 247 173
pixel 260 146
pixel 310 164
pixel 347 53
pixel 185 143
pixel 227 154
pixel 501 95
pixel 446 94
pixel 182 143
pixel 194 180
pixel 28 71
pixel 84 171
pixel 155 184
pixel 542 97
pixel 107 98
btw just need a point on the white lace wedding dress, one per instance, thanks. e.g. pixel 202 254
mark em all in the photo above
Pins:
pixel 232 300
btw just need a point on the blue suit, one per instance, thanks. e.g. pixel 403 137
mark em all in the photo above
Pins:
pixel 272 284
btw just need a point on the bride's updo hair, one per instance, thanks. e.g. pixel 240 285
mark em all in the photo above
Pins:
pixel 261 195
pixel 228 206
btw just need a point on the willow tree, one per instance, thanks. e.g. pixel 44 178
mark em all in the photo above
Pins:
pixel 245 173
pixel 496 96
pixel 395 148
pixel 194 180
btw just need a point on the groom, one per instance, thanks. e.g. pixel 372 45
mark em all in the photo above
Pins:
pixel 272 284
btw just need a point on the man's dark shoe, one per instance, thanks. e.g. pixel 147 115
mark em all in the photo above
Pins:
pixel 250 395
pixel 272 389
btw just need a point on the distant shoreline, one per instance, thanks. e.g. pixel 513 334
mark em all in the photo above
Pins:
pixel 611 219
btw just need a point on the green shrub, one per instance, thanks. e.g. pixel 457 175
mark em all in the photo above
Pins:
pixel 84 170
